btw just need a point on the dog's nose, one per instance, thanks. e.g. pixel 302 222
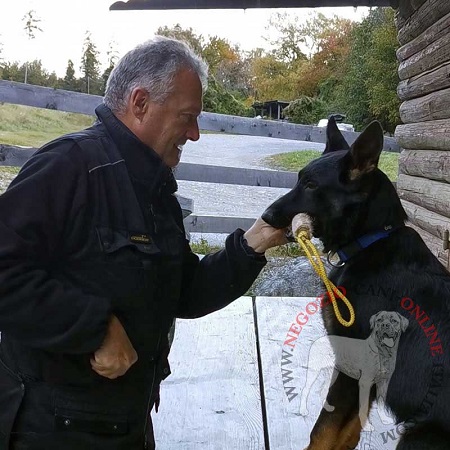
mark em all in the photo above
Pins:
pixel 275 220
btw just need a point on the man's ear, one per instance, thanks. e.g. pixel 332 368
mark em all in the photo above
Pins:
pixel 365 151
pixel 335 140
pixel 138 102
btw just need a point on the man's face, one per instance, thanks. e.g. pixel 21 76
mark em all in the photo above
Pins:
pixel 166 127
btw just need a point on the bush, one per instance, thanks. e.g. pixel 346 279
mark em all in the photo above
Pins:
pixel 218 100
pixel 305 110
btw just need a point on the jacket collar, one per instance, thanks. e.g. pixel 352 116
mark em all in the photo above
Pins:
pixel 143 163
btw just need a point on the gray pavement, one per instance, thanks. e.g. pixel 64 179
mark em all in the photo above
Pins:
pixel 240 151
pixel 234 151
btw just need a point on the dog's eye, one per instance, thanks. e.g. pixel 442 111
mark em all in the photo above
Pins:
pixel 311 185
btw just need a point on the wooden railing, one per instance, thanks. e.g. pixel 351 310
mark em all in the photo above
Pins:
pixel 57 99
pixel 43 97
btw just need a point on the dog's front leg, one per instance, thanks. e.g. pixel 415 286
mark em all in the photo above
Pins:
pixel 382 387
pixel 364 393
pixel 343 395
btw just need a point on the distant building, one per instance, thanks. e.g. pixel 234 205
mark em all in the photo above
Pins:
pixel 272 109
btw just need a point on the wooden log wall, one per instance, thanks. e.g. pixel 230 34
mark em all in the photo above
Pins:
pixel 424 137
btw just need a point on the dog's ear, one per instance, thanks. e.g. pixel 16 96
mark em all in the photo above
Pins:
pixel 365 151
pixel 372 320
pixel 335 140
pixel 404 322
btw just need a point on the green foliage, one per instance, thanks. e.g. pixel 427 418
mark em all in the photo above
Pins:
pixel 202 247
pixel 70 82
pixel 187 35
pixel 290 250
pixel 36 74
pixel 113 57
pixel 295 161
pixel 31 24
pixel 272 78
pixel 227 65
pixel 90 66
pixel 306 110
pixel 384 103
pixel 290 37
pixel 369 86
pixel 217 99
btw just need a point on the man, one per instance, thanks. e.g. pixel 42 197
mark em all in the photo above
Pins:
pixel 94 264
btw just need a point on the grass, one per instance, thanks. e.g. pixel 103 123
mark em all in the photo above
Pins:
pixel 9 170
pixel 294 161
pixel 202 247
pixel 33 127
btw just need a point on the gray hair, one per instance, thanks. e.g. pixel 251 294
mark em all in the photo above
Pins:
pixel 152 66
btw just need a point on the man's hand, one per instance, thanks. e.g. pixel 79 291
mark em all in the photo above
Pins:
pixel 116 354
pixel 262 236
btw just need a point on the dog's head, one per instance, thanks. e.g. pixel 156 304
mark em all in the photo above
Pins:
pixel 343 191
pixel 387 327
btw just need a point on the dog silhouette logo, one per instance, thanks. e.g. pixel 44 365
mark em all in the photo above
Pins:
pixel 371 361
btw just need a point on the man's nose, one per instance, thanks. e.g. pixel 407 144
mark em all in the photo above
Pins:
pixel 193 133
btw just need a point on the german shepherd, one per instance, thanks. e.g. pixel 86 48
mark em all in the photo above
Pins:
pixel 385 266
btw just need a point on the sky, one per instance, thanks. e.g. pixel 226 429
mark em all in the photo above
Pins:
pixel 64 25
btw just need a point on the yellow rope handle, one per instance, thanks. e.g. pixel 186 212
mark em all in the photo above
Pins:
pixel 314 258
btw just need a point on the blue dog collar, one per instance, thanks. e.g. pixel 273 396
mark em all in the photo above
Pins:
pixel 346 252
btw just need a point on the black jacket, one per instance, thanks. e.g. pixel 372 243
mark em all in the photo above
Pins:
pixel 90 227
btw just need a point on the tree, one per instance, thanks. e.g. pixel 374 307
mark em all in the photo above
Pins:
pixel 306 110
pixel 290 39
pixel 217 99
pixel 272 78
pixel 70 82
pixel 186 35
pixel 112 60
pixel 90 66
pixel 31 27
pixel 382 64
pixel 12 71
pixel 1 59
pixel 227 65
pixel 368 87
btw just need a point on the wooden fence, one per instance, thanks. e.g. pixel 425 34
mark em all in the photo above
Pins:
pixel 42 97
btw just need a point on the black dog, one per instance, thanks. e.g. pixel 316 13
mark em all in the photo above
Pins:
pixel 355 211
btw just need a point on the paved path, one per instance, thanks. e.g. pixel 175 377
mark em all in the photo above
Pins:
pixel 240 151
pixel 235 151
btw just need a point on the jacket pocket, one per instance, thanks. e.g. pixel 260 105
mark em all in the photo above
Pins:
pixel 11 395
pixel 126 244
pixel 85 415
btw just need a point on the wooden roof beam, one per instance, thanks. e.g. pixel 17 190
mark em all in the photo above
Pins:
pixel 242 4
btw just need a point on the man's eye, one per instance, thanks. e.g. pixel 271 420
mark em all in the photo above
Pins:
pixel 311 185
pixel 188 117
